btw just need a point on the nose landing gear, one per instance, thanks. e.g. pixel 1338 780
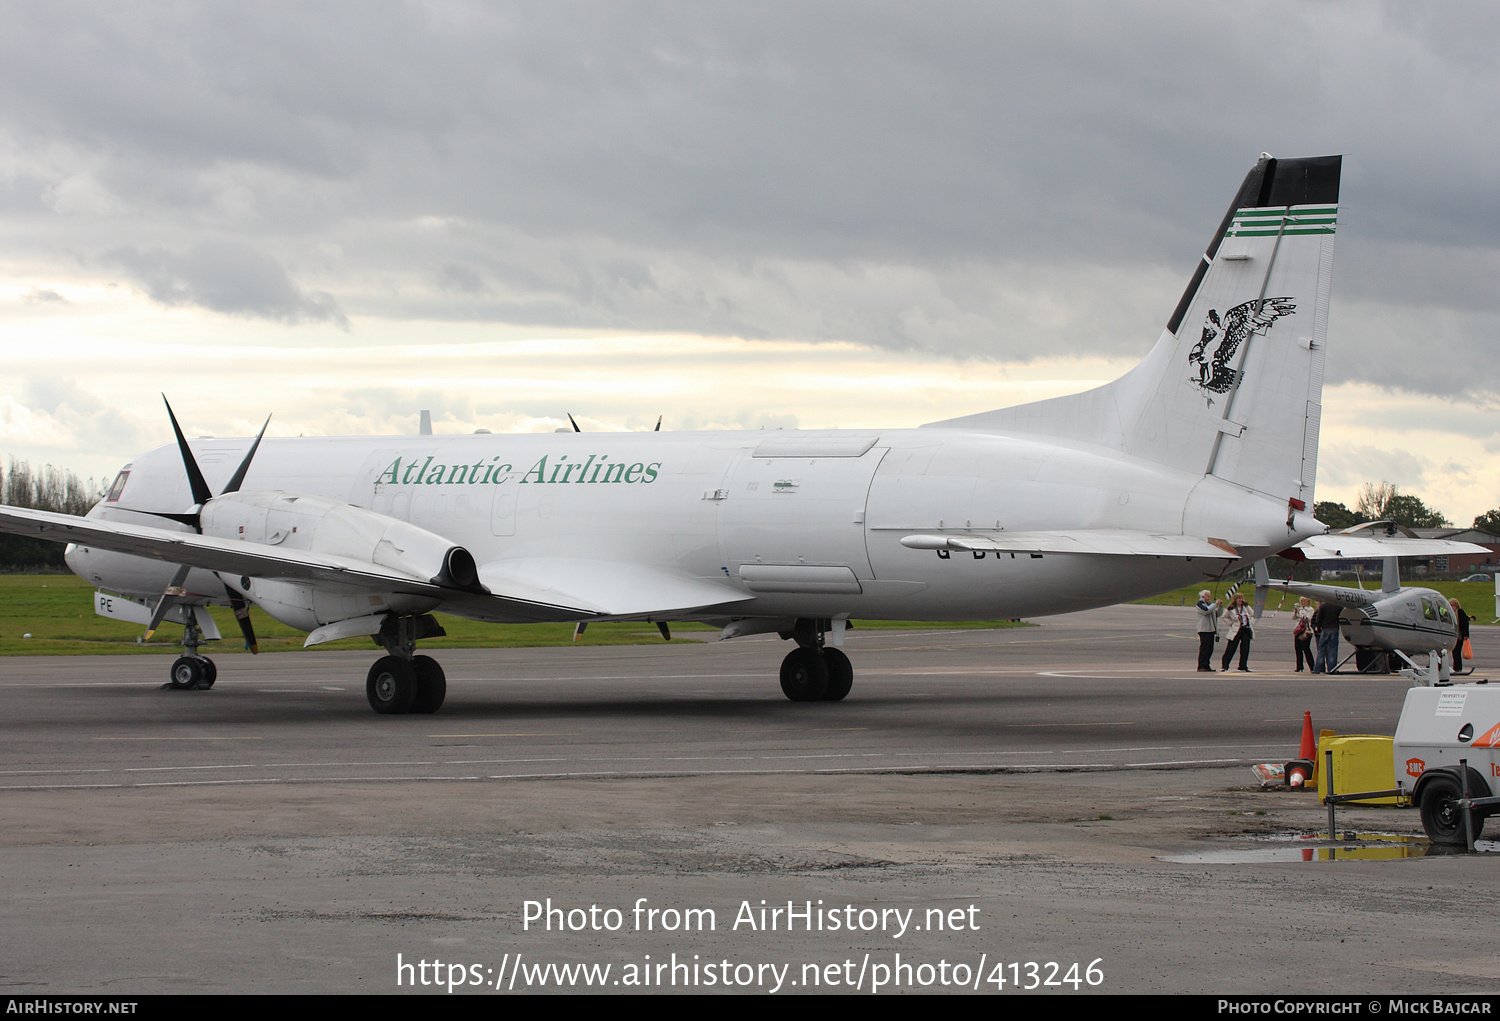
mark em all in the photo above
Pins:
pixel 191 671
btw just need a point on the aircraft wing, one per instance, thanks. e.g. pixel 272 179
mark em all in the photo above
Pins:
pixel 1114 542
pixel 541 589
pixel 1334 546
pixel 227 555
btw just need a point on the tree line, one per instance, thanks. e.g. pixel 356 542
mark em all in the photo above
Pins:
pixel 48 488
pixel 1383 501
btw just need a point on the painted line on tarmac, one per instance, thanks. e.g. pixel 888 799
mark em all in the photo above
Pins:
pixel 565 734
pixel 1247 751
pixel 166 737
pixel 904 769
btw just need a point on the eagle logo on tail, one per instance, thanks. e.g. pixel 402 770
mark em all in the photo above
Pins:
pixel 1222 337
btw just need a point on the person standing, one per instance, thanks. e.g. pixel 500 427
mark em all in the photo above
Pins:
pixel 1241 630
pixel 1326 627
pixel 1302 632
pixel 1463 635
pixel 1209 610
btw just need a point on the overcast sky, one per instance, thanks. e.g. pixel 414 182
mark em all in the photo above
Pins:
pixel 810 214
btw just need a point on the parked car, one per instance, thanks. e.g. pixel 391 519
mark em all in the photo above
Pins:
pixel 1477 577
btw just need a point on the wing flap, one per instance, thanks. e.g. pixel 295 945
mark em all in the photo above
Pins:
pixel 604 588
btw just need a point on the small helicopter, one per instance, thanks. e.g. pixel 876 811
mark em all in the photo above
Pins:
pixel 1398 621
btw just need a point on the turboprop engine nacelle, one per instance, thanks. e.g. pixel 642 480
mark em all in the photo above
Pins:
pixel 321 525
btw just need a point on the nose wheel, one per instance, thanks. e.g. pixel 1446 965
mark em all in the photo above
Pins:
pixel 192 673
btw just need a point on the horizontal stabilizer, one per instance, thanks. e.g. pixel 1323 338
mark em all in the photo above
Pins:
pixel 1115 542
pixel 1335 546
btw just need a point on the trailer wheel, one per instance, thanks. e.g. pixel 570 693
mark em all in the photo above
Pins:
pixel 1441 817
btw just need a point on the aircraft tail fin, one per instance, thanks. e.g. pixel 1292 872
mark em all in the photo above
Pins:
pixel 1234 385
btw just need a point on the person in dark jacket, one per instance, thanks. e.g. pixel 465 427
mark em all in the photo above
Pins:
pixel 1463 634
pixel 1326 627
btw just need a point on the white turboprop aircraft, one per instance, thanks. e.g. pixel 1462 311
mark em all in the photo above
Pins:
pixel 1199 460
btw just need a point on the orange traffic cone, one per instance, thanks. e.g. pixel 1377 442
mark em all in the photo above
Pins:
pixel 1300 771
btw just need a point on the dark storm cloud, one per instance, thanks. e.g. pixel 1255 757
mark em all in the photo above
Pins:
pixel 957 177
pixel 230 278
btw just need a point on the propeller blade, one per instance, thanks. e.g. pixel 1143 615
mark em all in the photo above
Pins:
pixel 242 614
pixel 201 492
pixel 666 632
pixel 579 628
pixel 658 425
pixel 168 598
pixel 239 473
pixel 575 424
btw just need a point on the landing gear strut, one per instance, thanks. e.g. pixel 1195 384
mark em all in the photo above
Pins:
pixel 192 671
pixel 401 681
pixel 813 672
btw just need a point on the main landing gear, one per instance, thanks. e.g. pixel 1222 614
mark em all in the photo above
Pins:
pixel 401 681
pixel 813 672
pixel 192 672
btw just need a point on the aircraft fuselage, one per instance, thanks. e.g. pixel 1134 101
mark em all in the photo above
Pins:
pixel 808 523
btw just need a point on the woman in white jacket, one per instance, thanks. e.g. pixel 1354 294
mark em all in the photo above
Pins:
pixel 1241 630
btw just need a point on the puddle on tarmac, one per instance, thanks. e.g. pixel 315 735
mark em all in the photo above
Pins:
pixel 1316 847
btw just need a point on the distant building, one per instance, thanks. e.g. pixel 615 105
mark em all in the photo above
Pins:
pixel 1464 563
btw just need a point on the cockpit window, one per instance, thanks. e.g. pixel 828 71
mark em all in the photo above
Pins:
pixel 1428 613
pixel 118 487
pixel 1444 613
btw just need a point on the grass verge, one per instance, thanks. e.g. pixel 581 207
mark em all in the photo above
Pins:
pixel 1476 597
pixel 57 611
